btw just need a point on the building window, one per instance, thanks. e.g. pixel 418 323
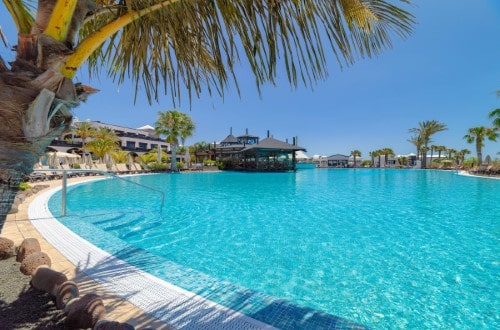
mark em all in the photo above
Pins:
pixel 143 145
pixel 131 144
pixel 153 146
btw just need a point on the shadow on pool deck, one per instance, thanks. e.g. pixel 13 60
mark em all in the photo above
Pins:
pixel 194 314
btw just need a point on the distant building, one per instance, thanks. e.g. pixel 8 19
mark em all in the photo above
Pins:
pixel 248 153
pixel 136 140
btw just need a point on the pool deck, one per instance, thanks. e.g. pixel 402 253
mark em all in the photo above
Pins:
pixel 129 294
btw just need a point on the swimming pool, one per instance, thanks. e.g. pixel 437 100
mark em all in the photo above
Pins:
pixel 384 248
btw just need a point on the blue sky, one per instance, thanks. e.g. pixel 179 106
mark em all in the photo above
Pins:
pixel 447 70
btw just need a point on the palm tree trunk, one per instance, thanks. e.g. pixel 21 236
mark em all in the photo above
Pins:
pixel 479 153
pixel 34 109
pixel 173 161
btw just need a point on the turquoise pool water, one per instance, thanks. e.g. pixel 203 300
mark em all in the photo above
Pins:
pixel 384 248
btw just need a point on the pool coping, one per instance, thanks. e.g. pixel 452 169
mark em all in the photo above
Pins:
pixel 164 301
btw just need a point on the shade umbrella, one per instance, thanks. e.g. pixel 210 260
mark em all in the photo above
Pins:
pixel 130 162
pixel 87 160
pixel 108 160
pixel 52 160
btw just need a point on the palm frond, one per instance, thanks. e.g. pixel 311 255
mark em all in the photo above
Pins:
pixel 22 14
pixel 197 44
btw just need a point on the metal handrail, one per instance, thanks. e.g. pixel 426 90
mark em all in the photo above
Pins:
pixel 106 173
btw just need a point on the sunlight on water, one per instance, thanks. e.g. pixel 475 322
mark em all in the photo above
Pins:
pixel 384 248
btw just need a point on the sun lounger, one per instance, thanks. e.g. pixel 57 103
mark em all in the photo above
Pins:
pixel 102 167
pixel 139 168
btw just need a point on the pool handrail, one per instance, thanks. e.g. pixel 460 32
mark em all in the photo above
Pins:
pixel 106 173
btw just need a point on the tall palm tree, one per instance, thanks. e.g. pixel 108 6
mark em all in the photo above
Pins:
pixel 176 126
pixel 495 115
pixel 478 135
pixel 198 50
pixel 84 130
pixel 355 153
pixel 425 130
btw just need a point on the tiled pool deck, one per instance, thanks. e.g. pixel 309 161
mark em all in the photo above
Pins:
pixel 141 299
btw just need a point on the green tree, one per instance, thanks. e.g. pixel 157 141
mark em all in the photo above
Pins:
pixel 104 141
pixel 495 115
pixel 355 153
pixel 440 150
pixel 84 130
pixel 478 135
pixel 417 141
pixel 461 155
pixel 386 152
pixel 425 130
pixel 171 46
pixel 176 127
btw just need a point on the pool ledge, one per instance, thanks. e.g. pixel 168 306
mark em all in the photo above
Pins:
pixel 164 301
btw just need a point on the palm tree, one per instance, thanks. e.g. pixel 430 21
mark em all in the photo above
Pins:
pixel 354 154
pixel 104 141
pixel 432 149
pixel 387 152
pixel 461 155
pixel 417 141
pixel 440 150
pixel 478 135
pixel 495 115
pixel 425 130
pixel 374 154
pixel 197 50
pixel 176 126
pixel 450 152
pixel 84 130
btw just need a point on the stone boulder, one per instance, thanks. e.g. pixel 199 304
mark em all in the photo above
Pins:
pixel 112 325
pixel 84 312
pixel 66 292
pixel 7 248
pixel 46 279
pixel 33 261
pixel 27 247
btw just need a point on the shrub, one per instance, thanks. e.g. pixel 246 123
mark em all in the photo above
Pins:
pixel 24 186
pixel 155 166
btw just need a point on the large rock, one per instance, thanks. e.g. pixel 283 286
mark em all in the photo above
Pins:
pixel 27 247
pixel 47 279
pixel 112 325
pixel 66 292
pixel 84 312
pixel 7 248
pixel 33 261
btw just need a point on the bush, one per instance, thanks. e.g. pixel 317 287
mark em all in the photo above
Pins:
pixel 209 162
pixel 24 186
pixel 157 166
pixel 76 166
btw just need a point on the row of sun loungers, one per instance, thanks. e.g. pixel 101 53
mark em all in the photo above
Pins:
pixel 44 173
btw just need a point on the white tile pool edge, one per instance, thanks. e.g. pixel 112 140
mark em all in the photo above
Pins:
pixel 175 306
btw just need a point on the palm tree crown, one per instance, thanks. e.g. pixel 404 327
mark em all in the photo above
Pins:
pixel 176 126
pixel 495 115
pixel 425 130
pixel 478 135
